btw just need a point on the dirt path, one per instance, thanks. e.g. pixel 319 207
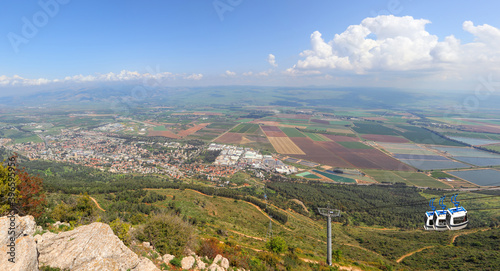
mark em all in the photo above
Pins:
pixel 411 253
pixel 96 203
pixel 464 233
pixel 248 236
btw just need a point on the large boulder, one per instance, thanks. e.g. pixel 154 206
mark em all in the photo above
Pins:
pixel 90 247
pixel 22 247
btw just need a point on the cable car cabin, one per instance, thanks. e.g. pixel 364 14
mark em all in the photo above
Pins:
pixel 440 220
pixel 429 217
pixel 456 218
pixel 429 221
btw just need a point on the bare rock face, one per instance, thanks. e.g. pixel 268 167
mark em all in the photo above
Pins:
pixel 224 263
pixel 90 247
pixel 21 249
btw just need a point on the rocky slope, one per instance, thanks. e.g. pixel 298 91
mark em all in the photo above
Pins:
pixel 89 247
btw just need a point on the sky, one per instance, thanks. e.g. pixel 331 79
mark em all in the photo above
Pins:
pixel 407 44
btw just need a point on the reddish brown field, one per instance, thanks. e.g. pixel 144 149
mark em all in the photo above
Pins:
pixel 320 121
pixel 230 138
pixel 272 131
pixel 335 155
pixel 385 138
pixel 366 158
pixel 192 130
pixel 163 133
pixel 342 138
pixel 316 153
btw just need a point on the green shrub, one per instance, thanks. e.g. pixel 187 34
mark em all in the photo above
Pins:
pixel 176 262
pixel 168 234
pixel 276 245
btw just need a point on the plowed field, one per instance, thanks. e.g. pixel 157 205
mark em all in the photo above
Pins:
pixel 284 145
pixel 230 138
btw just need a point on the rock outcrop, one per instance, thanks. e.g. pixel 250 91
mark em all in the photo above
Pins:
pixel 90 247
pixel 21 250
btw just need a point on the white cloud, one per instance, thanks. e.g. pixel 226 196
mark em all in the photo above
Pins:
pixel 124 76
pixel 194 76
pixel 390 43
pixel 272 60
pixel 230 73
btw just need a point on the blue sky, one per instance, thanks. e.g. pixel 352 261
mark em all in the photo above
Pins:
pixel 188 42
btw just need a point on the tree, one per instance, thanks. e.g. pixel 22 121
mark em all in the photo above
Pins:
pixel 32 197
pixel 276 245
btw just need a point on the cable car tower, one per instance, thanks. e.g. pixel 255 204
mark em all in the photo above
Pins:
pixel 328 212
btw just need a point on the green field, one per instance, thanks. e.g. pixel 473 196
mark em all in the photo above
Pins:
pixel 316 137
pixel 421 180
pixel 341 122
pixel 373 128
pixel 160 128
pixel 493 147
pixel 423 136
pixel 248 128
pixel 354 145
pixel 292 132
pixel 334 177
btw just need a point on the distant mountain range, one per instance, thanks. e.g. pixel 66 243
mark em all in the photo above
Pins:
pixel 250 95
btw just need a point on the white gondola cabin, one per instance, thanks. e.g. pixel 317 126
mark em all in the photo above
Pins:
pixel 456 218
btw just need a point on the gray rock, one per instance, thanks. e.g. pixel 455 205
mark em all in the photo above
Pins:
pixel 145 264
pixel 90 247
pixel 167 258
pixel 224 263
pixel 59 223
pixel 24 247
pixel 146 244
pixel 200 264
pixel 217 258
pixel 187 262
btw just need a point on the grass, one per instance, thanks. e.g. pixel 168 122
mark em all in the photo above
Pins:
pixel 354 145
pixel 292 132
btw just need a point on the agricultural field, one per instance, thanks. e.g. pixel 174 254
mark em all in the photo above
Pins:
pixel 249 128
pixel 471 156
pixel 292 132
pixel 284 145
pixel 483 177
pixel 335 178
pixel 474 141
pixel 192 130
pixel 493 147
pixel 229 138
pixel 385 138
pixel 307 175
pixel 316 137
pixel 272 131
pixel 353 145
pixel 373 128
pixel 423 136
